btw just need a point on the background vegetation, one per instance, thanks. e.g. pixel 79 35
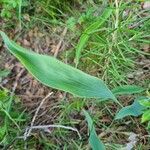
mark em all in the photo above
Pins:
pixel 106 39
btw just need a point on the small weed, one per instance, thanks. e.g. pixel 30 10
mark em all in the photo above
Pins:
pixel 105 38
pixel 76 82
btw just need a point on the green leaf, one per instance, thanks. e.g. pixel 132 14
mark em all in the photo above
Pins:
pixel 2 131
pixel 127 89
pixel 146 116
pixel 133 110
pixel 3 95
pixel 88 31
pixel 145 102
pixel 58 75
pixel 94 140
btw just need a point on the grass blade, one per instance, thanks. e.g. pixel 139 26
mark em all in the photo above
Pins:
pixel 94 141
pixel 58 75
pixel 86 34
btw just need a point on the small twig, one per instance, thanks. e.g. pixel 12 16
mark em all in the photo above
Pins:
pixel 16 82
pixel 28 130
pixel 60 43
pixel 36 113
pixel 46 127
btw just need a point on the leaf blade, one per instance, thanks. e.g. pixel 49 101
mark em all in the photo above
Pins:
pixel 87 33
pixel 127 89
pixel 94 141
pixel 55 74
pixel 146 116
pixel 135 109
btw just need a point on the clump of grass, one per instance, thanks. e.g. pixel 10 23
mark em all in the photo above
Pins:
pixel 112 48
pixel 11 119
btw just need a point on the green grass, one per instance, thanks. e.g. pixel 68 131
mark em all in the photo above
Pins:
pixel 109 54
pixel 11 118
pixel 114 47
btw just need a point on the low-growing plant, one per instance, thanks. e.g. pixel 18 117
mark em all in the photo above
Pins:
pixel 12 9
pixel 111 47
pixel 10 118
pixel 58 75
pixel 146 113
pixel 8 6
pixel 140 106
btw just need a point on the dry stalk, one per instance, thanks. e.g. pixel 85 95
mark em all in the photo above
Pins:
pixel 28 130
pixel 60 43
